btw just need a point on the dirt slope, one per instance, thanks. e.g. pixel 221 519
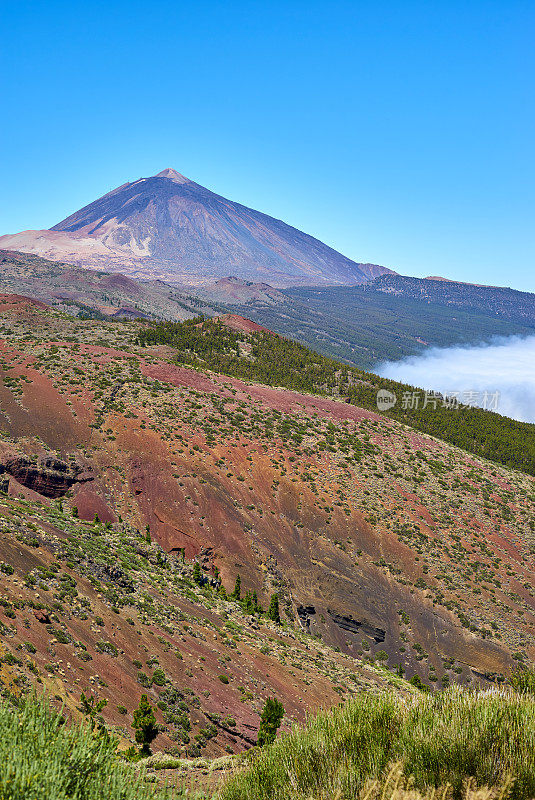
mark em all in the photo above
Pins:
pixel 385 544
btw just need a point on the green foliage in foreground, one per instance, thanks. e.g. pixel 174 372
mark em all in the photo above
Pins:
pixel 275 361
pixel 441 738
pixel 44 758
pixel 523 680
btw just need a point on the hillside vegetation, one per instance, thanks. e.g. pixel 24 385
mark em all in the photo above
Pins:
pixel 151 510
pixel 275 361
pixel 391 545
pixel 97 608
pixel 364 325
pixel 452 744
pixel 440 739
pixel 498 301
pixel 43 758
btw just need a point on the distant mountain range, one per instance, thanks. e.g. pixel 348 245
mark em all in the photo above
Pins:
pixel 386 319
pixel 169 227
pixel 95 293
pixel 498 301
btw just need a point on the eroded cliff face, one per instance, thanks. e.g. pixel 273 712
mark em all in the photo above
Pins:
pixel 47 475
pixel 97 608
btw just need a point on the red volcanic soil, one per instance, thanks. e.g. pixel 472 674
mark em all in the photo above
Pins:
pixel 18 302
pixel 238 323
pixel 289 401
pixel 192 655
pixel 363 527
pixel 278 399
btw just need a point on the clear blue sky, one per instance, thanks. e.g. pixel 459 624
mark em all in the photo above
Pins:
pixel 401 133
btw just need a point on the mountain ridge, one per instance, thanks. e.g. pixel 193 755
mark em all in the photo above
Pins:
pixel 500 301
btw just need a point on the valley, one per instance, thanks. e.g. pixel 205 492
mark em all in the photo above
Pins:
pixel 359 325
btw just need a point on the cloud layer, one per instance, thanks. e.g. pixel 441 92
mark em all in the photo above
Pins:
pixel 506 366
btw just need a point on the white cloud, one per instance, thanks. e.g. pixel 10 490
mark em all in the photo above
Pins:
pixel 506 366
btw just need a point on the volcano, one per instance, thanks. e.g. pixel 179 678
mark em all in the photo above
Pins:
pixel 169 227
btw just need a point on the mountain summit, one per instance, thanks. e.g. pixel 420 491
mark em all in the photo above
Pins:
pixel 167 226
pixel 173 175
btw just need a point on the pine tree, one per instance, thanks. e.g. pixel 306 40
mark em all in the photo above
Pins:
pixel 236 594
pixel 91 708
pixel 145 725
pixel 270 721
pixel 197 574
pixel 257 608
pixel 273 611
pixel 247 603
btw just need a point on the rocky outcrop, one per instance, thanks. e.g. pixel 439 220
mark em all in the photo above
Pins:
pixel 4 481
pixel 49 476
pixel 304 613
pixel 216 720
pixel 491 677
pixel 347 623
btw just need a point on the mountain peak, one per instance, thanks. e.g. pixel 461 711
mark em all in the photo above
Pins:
pixel 173 175
pixel 170 227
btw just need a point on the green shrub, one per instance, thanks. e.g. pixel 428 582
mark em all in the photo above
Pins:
pixel 270 721
pixel 523 680
pixel 419 684
pixel 442 738
pixel 107 647
pixel 44 758
pixel 60 635
pixel 144 679
pixel 159 677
